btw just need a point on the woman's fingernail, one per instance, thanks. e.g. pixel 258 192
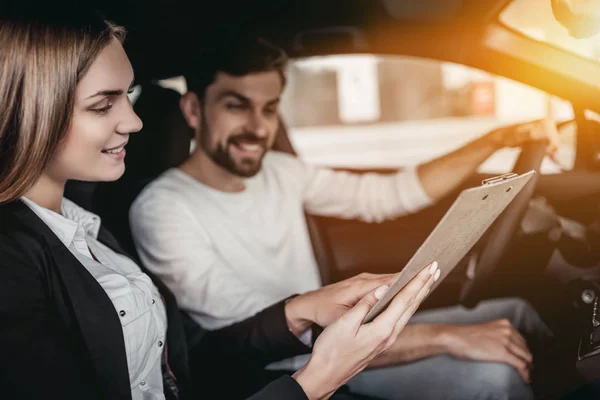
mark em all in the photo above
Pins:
pixel 433 267
pixel 437 275
pixel 380 292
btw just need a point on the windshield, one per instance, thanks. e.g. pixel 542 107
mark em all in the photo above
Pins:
pixel 386 112
pixel 534 18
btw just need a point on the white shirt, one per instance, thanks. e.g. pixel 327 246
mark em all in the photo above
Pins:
pixel 136 299
pixel 226 256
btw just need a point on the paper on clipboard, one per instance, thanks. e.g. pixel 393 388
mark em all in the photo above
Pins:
pixel 465 222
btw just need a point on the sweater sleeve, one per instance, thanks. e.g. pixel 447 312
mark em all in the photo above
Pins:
pixel 242 351
pixel 369 197
pixel 285 387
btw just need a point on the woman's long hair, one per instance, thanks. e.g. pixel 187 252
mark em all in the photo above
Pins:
pixel 41 62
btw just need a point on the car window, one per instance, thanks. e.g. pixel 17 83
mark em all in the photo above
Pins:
pixel 134 93
pixel 176 83
pixel 535 19
pixel 372 112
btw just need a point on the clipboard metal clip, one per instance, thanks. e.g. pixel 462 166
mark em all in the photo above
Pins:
pixel 498 178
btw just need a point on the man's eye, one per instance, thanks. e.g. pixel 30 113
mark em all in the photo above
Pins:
pixel 102 110
pixel 234 106
pixel 271 111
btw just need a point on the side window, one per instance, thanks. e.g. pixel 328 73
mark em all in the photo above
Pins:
pixel 370 112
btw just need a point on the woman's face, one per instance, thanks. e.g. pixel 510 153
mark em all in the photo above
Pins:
pixel 102 120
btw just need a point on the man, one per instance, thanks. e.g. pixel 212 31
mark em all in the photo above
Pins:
pixel 226 232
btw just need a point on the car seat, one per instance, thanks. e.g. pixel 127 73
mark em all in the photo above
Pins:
pixel 164 142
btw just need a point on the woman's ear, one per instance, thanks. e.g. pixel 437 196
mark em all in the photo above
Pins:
pixel 190 105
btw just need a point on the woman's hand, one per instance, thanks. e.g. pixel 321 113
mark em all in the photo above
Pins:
pixel 327 304
pixel 347 346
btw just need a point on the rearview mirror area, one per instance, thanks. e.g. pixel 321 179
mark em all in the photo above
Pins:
pixel 580 17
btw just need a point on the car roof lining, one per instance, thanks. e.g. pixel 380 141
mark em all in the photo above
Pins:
pixel 160 31
pixel 164 35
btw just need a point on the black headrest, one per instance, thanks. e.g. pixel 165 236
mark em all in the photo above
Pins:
pixel 163 143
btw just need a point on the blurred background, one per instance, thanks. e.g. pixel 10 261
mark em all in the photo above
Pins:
pixel 376 112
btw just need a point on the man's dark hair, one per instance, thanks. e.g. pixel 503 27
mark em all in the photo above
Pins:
pixel 238 58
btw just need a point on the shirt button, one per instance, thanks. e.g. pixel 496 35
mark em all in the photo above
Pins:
pixel 160 343
pixel 122 313
pixel 153 301
pixel 142 383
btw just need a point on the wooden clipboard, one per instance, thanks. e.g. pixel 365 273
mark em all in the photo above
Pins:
pixel 473 212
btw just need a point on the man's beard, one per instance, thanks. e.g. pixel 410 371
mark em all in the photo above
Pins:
pixel 247 167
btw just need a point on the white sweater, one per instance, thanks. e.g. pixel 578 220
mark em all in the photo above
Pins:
pixel 226 256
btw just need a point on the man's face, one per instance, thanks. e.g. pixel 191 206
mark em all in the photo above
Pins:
pixel 239 120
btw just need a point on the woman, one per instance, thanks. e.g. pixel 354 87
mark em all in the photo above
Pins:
pixel 79 318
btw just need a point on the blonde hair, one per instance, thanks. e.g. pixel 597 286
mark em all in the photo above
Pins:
pixel 41 63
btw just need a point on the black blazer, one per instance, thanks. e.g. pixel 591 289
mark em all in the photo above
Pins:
pixel 60 336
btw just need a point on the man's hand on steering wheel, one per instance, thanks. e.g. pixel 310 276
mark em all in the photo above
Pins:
pixel 543 130
pixel 537 139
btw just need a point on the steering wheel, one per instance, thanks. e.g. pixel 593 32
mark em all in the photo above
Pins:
pixel 505 227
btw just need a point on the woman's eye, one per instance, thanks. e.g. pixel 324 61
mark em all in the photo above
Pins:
pixel 102 110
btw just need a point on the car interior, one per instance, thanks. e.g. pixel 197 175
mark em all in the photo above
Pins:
pixel 544 248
